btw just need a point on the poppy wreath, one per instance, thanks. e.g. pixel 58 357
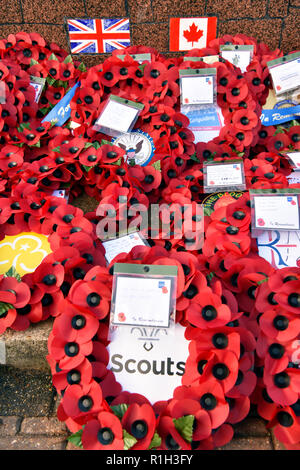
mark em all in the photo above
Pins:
pixel 240 313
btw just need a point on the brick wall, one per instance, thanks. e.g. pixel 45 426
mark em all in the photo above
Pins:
pixel 273 21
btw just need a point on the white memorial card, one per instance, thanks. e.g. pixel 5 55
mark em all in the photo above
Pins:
pixel 121 245
pixel 224 175
pixel 142 301
pixel 238 58
pixel 286 76
pixel 197 89
pixel 117 116
pixel 295 158
pixel 280 248
pixel 276 212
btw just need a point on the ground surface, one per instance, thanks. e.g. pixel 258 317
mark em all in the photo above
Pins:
pixel 28 421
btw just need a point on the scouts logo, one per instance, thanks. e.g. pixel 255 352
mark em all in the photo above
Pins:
pixel 138 146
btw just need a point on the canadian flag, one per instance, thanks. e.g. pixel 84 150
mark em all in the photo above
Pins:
pixel 191 33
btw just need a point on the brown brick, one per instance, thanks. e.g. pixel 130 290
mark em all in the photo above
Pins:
pixel 43 12
pixel 295 3
pixel 107 9
pixel 278 8
pixel 152 35
pixel 51 33
pixel 251 427
pixel 250 443
pixel 36 443
pixel 290 38
pixel 10 11
pixel 268 31
pixel 90 60
pixel 9 425
pixel 237 8
pixel 43 426
pixel 162 10
pixel 140 10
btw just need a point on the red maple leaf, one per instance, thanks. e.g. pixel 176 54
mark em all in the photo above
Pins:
pixel 193 34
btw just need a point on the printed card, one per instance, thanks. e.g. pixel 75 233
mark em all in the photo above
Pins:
pixel 276 212
pixel 61 193
pixel 295 158
pixel 142 301
pixel 224 175
pixel 238 58
pixel 197 90
pixel 280 248
pixel 38 84
pixel 286 76
pixel 117 116
pixel 121 245
pixel 205 123
pixel 2 93
pixel 294 178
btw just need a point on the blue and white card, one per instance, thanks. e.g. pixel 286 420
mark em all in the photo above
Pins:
pixel 62 110
pixel 205 125
pixel 280 248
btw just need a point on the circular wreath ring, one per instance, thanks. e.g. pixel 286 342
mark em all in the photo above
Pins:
pixel 36 159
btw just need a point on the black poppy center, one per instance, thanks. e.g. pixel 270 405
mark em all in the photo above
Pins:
pixel 49 279
pixel 220 371
pixel 139 429
pixel 294 300
pixel 93 299
pixel 85 403
pixel 208 401
pixel 282 380
pixel 209 313
pixel 105 436
pixel 78 322
pixel 220 341
pixel 281 322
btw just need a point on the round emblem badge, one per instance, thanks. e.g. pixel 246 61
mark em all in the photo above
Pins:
pixel 138 146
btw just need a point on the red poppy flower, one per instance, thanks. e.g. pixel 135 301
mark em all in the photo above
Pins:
pixel 80 375
pixel 81 401
pixel 207 310
pixel 185 407
pixel 278 142
pixel 286 425
pixel 171 439
pixel 283 387
pixel 103 433
pixel 75 325
pixel 14 292
pixel 7 319
pixel 140 422
pixel 294 135
pixel 210 395
pixel 48 277
pixel 279 324
pixel 92 296
pixel 68 354
pixel 288 296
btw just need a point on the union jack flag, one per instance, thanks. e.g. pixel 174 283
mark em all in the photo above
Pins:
pixel 90 36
